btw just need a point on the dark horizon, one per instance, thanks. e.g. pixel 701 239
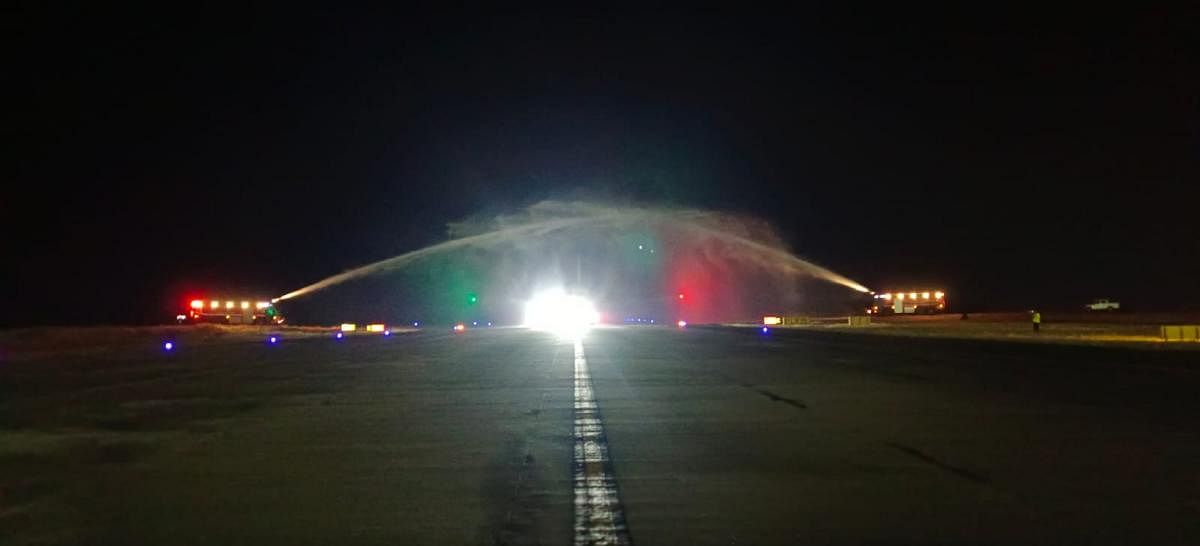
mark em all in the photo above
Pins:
pixel 1017 161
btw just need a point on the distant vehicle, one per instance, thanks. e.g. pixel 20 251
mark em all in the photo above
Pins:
pixel 231 312
pixel 1103 304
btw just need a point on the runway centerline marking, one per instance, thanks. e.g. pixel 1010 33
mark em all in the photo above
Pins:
pixel 599 516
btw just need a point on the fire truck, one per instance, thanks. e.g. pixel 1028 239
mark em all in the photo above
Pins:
pixel 230 311
pixel 909 302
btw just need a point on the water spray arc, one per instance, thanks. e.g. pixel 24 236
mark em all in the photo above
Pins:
pixel 550 218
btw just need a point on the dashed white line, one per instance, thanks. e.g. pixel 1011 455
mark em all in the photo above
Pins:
pixel 599 516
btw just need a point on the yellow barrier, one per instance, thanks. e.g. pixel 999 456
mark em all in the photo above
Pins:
pixel 777 320
pixel 859 320
pixel 1183 332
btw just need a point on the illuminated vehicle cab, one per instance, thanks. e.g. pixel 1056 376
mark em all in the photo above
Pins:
pixel 909 302
pixel 231 311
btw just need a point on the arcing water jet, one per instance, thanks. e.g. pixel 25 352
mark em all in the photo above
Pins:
pixel 739 239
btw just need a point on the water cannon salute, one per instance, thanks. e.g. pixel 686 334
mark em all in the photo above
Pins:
pixel 586 276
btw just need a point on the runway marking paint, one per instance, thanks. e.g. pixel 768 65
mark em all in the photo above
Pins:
pixel 599 516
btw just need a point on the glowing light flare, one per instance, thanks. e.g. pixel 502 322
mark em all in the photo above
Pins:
pixel 376 328
pixel 565 314
pixel 197 304
pixel 939 295
pixel 215 304
pixel 245 305
pixel 765 330
pixel 229 305
pixel 772 320
pixel 925 295
pixel 460 327
pixel 261 305
pixel 273 339
pixel 168 346
pixel 348 327
pixel 681 324
pixel 912 295
pixel 339 335
pixel 387 332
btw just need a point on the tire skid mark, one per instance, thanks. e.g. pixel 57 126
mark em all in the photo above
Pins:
pixel 925 457
pixel 776 398
pixel 599 515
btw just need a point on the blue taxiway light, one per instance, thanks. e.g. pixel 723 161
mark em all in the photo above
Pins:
pixel 168 346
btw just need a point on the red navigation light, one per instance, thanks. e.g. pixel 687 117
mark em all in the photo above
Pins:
pixel 197 304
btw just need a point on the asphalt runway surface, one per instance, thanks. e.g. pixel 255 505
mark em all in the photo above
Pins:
pixel 635 435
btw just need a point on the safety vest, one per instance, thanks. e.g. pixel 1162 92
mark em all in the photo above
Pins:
pixel 1037 318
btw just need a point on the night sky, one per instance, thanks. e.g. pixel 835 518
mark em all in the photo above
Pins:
pixel 1017 160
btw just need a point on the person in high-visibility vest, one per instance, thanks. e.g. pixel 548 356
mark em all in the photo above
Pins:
pixel 1037 321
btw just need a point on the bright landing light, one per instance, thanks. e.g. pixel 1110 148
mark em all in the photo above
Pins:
pixel 564 314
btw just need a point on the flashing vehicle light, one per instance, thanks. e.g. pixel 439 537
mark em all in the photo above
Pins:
pixel 772 320
pixel 347 327
pixel 912 295
pixel 245 305
pixel 489 323
pixel 375 328
pixel 197 304
pixel 215 304
pixel 925 295
pixel 682 324
pixel 900 297
pixel 939 295
pixel 460 327
pixel 229 305
pixel 168 346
